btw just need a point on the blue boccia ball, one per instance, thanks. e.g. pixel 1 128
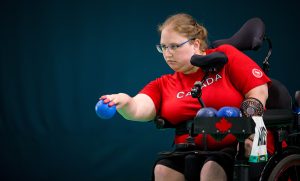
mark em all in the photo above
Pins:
pixel 228 111
pixel 238 111
pixel 206 112
pixel 104 111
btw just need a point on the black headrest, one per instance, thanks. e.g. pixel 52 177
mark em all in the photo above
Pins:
pixel 211 62
pixel 249 37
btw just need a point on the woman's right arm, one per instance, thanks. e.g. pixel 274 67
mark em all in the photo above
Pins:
pixel 137 108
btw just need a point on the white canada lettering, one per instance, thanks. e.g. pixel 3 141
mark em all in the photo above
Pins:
pixel 188 94
pixel 180 95
pixel 206 83
pixel 218 77
pixel 209 81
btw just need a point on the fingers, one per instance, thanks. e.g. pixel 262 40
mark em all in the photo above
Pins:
pixel 251 137
pixel 102 97
pixel 112 101
pixel 108 99
pixel 111 104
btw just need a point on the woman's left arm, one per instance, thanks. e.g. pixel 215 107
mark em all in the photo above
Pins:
pixel 259 92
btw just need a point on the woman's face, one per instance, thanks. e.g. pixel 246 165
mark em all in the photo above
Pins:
pixel 178 59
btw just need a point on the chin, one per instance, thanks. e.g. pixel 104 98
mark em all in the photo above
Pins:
pixel 175 68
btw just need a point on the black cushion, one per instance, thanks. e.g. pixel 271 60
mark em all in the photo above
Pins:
pixel 249 37
pixel 279 96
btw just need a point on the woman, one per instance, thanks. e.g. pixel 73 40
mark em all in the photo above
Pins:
pixel 169 96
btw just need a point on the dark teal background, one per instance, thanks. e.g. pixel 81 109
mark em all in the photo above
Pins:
pixel 58 57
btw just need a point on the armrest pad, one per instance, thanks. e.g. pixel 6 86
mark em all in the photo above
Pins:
pixel 278 117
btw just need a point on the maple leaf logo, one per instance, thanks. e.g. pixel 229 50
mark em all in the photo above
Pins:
pixel 223 125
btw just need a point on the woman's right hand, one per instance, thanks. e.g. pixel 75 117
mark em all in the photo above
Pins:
pixel 120 99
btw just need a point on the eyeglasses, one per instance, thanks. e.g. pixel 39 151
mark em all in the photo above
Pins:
pixel 172 47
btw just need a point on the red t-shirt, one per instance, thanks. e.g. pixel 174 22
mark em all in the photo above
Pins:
pixel 172 98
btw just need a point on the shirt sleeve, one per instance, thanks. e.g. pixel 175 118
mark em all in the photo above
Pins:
pixel 244 73
pixel 152 89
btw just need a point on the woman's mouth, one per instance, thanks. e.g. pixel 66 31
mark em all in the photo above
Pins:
pixel 171 61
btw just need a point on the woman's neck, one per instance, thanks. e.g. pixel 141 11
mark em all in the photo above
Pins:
pixel 192 70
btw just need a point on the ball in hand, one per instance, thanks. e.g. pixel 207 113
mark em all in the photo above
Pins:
pixel 104 111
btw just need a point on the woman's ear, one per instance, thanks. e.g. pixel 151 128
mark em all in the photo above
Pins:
pixel 197 44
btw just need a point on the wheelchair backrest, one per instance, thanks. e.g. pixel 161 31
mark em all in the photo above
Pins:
pixel 250 37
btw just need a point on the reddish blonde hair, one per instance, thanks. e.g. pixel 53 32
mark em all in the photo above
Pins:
pixel 187 26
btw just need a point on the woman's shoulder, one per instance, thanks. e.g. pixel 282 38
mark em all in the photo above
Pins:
pixel 229 50
pixel 226 48
pixel 167 76
pixel 166 79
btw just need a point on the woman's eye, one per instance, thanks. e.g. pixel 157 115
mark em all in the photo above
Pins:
pixel 173 47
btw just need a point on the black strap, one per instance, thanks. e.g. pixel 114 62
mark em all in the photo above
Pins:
pixel 183 128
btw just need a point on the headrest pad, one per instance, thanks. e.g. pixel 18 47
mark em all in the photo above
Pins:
pixel 249 37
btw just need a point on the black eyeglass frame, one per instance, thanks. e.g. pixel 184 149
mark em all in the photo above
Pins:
pixel 162 48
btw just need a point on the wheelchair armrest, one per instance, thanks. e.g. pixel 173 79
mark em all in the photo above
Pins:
pixel 278 117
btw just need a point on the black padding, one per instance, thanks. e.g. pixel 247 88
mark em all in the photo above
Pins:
pixel 162 123
pixel 279 96
pixel 249 37
pixel 278 117
pixel 192 167
pixel 211 62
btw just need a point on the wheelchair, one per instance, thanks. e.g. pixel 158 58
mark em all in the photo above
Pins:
pixel 282 114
